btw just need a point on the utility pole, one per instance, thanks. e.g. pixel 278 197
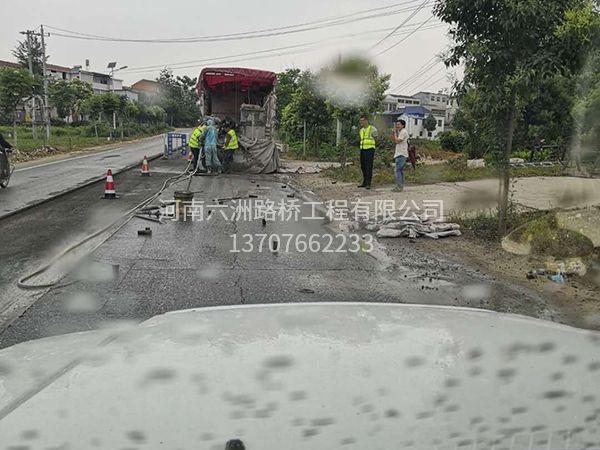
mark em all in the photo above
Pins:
pixel 112 89
pixel 46 105
pixel 30 64
pixel 113 68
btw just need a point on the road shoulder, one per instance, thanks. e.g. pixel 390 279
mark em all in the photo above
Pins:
pixel 573 303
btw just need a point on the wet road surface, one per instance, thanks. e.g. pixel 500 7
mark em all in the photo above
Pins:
pixel 191 264
pixel 34 184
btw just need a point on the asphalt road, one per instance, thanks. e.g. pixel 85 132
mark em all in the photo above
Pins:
pixel 191 264
pixel 34 184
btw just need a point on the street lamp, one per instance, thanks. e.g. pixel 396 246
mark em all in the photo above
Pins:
pixel 113 68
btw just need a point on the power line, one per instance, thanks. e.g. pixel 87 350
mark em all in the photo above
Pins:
pixel 435 82
pixel 258 52
pixel 404 39
pixel 429 78
pixel 421 71
pixel 227 61
pixel 418 73
pixel 408 19
pixel 326 19
pixel 309 26
pixel 417 76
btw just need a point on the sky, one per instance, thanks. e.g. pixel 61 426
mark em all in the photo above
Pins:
pixel 409 58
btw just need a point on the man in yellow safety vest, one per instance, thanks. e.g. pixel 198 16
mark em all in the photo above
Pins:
pixel 368 134
pixel 231 145
pixel 195 147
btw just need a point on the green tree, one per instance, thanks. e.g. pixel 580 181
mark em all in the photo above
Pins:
pixel 584 25
pixel 287 83
pixel 132 110
pixel 430 123
pixel 68 97
pixel 508 48
pixel 113 103
pixel 477 127
pixel 547 115
pixel 94 107
pixel 179 99
pixel 452 141
pixel 307 105
pixel 16 86
pixel 157 114
pixel 354 87
pixel 21 53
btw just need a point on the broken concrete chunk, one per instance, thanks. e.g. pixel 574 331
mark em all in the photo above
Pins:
pixel 388 233
pixel 475 163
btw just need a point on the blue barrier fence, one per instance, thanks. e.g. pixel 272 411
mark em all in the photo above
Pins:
pixel 174 141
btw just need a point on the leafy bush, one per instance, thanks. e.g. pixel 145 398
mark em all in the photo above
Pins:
pixel 543 155
pixel 79 123
pixel 548 239
pixel 452 141
pixel 522 153
pixel 476 152
pixel 326 152
pixel 57 122
pixel 65 131
pixel 90 131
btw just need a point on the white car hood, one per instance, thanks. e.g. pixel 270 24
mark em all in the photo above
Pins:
pixel 311 376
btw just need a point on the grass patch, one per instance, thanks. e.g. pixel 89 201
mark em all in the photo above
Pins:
pixel 538 228
pixel 453 171
pixel 329 152
pixel 66 139
pixel 433 150
pixel 484 225
pixel 548 239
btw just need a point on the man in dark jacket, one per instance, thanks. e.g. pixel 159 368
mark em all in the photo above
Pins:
pixel 5 148
pixel 4 144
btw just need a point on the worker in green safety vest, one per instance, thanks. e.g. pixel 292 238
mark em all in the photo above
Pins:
pixel 195 147
pixel 231 145
pixel 368 134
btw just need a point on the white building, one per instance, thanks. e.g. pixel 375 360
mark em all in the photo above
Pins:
pixel 101 82
pixel 58 72
pixel 394 102
pixel 131 94
pixel 432 100
pixel 415 119
pixel 415 109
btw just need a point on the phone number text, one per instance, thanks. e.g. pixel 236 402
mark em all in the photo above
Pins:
pixel 302 243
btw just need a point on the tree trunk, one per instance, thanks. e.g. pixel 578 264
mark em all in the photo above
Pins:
pixel 318 146
pixel 505 173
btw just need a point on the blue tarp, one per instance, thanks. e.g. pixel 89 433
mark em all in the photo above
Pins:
pixel 412 111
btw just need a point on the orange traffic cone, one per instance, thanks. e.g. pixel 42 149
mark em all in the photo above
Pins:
pixel 145 172
pixel 109 187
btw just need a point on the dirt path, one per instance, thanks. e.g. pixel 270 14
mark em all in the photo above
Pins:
pixel 480 273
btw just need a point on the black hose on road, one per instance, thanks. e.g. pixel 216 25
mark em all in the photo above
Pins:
pixel 22 282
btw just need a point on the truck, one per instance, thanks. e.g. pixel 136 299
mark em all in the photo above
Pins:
pixel 246 98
